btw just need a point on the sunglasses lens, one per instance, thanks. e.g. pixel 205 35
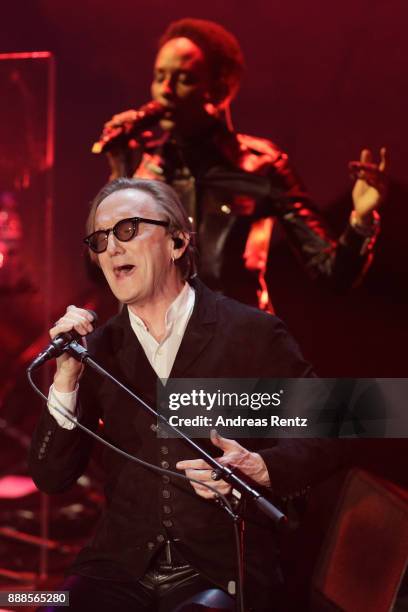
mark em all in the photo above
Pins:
pixel 126 229
pixel 98 241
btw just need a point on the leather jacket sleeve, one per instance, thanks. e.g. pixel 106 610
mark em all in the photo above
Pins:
pixel 341 262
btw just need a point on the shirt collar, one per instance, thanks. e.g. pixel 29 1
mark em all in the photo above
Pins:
pixel 176 309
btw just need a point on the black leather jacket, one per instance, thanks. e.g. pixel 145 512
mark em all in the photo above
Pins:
pixel 233 186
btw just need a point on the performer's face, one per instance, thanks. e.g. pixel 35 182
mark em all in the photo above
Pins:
pixel 140 270
pixel 181 82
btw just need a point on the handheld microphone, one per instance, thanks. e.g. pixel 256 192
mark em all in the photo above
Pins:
pixel 142 118
pixel 59 345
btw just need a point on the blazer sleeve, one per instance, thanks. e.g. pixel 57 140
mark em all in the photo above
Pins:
pixel 59 456
pixel 295 465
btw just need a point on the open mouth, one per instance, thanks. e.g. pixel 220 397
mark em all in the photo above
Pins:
pixel 123 271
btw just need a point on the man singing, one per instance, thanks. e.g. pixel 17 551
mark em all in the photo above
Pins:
pixel 161 541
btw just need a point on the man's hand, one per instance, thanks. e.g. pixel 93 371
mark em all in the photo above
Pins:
pixel 69 369
pixel 371 185
pixel 235 456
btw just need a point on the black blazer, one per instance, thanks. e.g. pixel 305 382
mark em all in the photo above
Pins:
pixel 223 339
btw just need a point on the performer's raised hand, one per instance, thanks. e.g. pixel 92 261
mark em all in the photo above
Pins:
pixel 370 188
pixel 124 119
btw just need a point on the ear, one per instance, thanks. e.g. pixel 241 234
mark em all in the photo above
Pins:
pixel 180 244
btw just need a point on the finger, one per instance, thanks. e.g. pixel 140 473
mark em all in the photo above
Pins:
pixel 204 475
pixel 64 328
pixel 82 311
pixel 222 487
pixel 110 126
pixel 383 159
pixel 83 328
pixel 77 321
pixel 121 118
pixel 201 487
pixel 66 323
pixel 73 319
pixel 223 443
pixel 203 491
pixel 230 459
pixel 195 464
pixel 366 156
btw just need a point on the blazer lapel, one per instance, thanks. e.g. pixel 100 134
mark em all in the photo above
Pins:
pixel 133 362
pixel 139 374
pixel 200 330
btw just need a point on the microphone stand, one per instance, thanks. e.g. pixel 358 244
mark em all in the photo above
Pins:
pixel 223 472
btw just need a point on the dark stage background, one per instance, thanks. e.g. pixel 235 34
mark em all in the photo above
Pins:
pixel 322 81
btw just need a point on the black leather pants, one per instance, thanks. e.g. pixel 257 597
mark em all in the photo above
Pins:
pixel 170 585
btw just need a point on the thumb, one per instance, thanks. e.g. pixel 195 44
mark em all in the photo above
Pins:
pixel 223 443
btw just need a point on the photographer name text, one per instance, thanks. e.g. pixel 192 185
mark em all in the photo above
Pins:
pixel 237 421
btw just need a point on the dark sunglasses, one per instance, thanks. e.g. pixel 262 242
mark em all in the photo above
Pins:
pixel 123 230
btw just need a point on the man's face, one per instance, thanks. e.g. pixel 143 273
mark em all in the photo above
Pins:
pixel 181 82
pixel 140 270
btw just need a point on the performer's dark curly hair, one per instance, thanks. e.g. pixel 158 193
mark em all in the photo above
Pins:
pixel 221 50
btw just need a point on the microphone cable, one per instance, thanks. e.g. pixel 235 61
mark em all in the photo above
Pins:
pixel 160 470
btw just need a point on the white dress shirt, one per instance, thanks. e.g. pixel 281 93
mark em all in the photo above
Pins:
pixel 161 355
